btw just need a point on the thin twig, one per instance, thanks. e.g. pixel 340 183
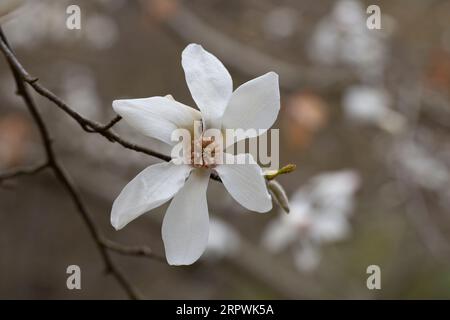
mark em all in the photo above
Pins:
pixel 86 124
pixel 107 126
pixel 416 206
pixel 138 251
pixel 417 211
pixel 62 176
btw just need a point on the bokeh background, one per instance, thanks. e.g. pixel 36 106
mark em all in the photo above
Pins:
pixel 365 116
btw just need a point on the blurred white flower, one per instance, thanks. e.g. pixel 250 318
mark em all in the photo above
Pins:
pixel 370 105
pixel 343 38
pixel 39 20
pixel 223 240
pixel 422 166
pixel 79 89
pixel 306 257
pixel 319 214
pixel 45 20
pixel 185 227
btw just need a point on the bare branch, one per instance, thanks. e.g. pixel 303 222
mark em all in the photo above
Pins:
pixel 107 126
pixel 60 173
pixel 417 210
pixel 138 251
pixel 86 124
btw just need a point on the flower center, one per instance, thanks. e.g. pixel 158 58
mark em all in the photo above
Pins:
pixel 203 152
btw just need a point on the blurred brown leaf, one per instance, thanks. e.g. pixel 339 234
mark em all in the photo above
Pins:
pixel 160 10
pixel 305 114
pixel 14 132
pixel 438 75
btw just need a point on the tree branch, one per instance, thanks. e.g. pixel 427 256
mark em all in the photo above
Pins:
pixel 107 126
pixel 86 124
pixel 60 173
pixel 138 251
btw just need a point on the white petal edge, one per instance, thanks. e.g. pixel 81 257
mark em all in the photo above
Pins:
pixel 156 117
pixel 254 105
pixel 185 228
pixel 209 82
pixel 149 189
pixel 245 182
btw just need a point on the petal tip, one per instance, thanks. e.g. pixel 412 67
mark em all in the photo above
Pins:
pixel 190 48
pixel 179 262
pixel 117 105
pixel 273 74
pixel 116 225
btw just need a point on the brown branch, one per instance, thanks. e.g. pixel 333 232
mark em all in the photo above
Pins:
pixel 62 176
pixel 107 126
pixel 86 124
pixel 138 251
pixel 23 171
pixel 185 25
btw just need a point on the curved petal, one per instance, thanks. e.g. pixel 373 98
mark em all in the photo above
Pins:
pixel 149 189
pixel 185 227
pixel 254 105
pixel 208 80
pixel 245 182
pixel 156 117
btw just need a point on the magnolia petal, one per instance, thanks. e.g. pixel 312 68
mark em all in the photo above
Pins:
pixel 156 117
pixel 185 227
pixel 209 82
pixel 254 105
pixel 149 189
pixel 245 182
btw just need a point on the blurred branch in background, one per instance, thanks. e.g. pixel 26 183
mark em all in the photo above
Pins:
pixel 416 206
pixel 185 24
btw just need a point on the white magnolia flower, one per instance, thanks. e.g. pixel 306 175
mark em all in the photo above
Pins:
pixel 319 214
pixel 342 37
pixel 254 104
